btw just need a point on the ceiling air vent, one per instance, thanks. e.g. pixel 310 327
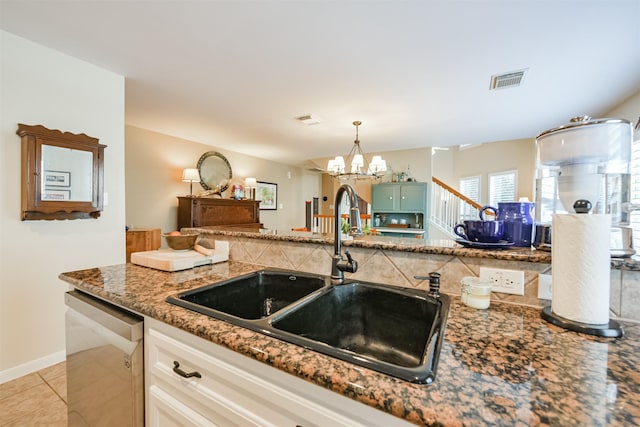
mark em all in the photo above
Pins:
pixel 308 120
pixel 507 80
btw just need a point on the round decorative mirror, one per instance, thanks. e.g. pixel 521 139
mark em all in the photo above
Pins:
pixel 215 171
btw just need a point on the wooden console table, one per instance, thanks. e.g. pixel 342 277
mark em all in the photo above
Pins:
pixel 209 211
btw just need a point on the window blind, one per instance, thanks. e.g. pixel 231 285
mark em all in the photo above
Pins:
pixel 470 187
pixel 502 187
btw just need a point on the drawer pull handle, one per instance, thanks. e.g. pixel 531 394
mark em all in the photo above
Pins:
pixel 177 370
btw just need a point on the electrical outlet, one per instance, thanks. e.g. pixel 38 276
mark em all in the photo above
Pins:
pixel 544 286
pixel 505 281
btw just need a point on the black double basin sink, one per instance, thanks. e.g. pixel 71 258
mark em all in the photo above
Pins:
pixel 389 329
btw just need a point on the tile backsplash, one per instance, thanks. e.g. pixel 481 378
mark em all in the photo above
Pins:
pixel 396 267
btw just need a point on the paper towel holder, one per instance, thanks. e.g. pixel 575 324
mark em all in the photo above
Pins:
pixel 612 329
pixel 609 330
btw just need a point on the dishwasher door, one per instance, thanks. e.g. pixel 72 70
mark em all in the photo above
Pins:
pixel 104 363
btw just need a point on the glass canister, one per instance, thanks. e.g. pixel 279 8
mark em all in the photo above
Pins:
pixel 586 159
pixel 475 292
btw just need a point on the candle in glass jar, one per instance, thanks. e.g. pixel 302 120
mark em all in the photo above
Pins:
pixel 475 292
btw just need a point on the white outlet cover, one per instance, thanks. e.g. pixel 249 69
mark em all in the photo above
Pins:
pixel 504 281
pixel 544 286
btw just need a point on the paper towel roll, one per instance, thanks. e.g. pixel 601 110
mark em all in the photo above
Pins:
pixel 581 267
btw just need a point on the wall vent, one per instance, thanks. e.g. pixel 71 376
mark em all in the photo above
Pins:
pixel 507 80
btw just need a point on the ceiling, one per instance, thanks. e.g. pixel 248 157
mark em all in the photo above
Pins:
pixel 235 74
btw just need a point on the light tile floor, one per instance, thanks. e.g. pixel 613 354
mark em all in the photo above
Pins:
pixel 37 399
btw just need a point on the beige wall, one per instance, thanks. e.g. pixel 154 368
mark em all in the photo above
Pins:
pixel 629 110
pixel 154 164
pixel 452 164
pixel 485 159
pixel 42 86
pixel 443 162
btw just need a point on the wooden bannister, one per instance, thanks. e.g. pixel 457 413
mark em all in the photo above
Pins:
pixel 325 221
pixel 456 193
pixel 450 207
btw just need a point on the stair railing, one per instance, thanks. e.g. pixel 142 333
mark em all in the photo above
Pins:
pixel 324 222
pixel 450 207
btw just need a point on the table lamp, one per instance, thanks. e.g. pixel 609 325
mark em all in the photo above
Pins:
pixel 251 184
pixel 190 176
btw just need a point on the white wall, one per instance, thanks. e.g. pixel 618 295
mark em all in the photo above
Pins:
pixel 154 164
pixel 42 86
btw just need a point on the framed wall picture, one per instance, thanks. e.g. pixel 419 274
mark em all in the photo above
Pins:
pixel 51 194
pixel 57 179
pixel 267 193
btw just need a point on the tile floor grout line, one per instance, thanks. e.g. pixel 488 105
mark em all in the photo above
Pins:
pixel 51 387
pixel 28 390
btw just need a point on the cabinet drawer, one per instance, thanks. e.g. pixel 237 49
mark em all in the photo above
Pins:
pixel 225 394
pixel 214 395
pixel 166 411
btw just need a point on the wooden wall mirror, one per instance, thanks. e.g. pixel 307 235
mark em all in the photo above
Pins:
pixel 62 174
pixel 215 171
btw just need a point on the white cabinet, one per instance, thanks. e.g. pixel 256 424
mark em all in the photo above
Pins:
pixel 234 390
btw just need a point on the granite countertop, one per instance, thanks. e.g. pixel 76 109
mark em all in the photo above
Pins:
pixel 502 367
pixel 430 246
pixel 404 244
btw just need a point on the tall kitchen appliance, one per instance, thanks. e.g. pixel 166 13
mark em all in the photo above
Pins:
pixel 587 159
pixel 104 363
pixel 583 164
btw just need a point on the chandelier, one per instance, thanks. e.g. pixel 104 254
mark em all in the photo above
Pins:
pixel 356 159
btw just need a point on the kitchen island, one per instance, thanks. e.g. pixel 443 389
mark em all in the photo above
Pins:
pixel 397 261
pixel 503 366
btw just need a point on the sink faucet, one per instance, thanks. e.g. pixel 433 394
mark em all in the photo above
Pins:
pixel 338 265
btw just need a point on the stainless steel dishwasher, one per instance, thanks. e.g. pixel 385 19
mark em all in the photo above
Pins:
pixel 104 363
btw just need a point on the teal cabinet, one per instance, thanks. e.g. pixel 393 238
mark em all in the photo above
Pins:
pixel 384 197
pixel 399 197
pixel 400 209
pixel 413 197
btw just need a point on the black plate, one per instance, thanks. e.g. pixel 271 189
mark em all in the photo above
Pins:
pixel 482 245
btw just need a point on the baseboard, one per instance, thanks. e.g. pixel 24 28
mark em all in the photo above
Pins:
pixel 32 366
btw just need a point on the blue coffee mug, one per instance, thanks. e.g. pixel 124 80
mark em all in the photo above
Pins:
pixel 480 231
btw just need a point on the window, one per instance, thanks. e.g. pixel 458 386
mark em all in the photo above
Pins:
pixel 470 187
pixel 502 187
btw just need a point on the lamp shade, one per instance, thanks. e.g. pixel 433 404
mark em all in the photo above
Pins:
pixel 358 160
pixel 377 165
pixel 250 182
pixel 190 175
